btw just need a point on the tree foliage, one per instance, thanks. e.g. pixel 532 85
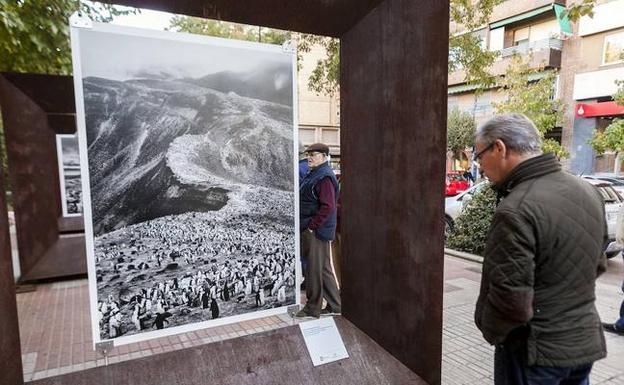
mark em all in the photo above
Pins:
pixel 535 99
pixel 460 130
pixel 325 77
pixel 472 225
pixel 227 30
pixel 34 35
pixel 612 138
pixel 466 50
pixel 579 9
pixel 619 94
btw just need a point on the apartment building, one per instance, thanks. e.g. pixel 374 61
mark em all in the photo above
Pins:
pixel 583 53
pixel 592 62
pixel 516 27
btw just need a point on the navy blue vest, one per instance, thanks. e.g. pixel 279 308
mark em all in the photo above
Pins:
pixel 309 204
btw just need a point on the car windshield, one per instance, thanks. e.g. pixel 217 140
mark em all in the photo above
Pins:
pixel 456 178
pixel 609 194
pixel 614 181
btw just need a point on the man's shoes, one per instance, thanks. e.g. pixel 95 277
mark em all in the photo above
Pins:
pixel 328 311
pixel 612 328
pixel 302 314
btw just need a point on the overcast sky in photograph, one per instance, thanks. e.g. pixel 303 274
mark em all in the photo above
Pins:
pixel 118 56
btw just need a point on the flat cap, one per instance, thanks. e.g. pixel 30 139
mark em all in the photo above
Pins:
pixel 319 147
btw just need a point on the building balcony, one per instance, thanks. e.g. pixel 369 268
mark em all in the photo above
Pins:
pixel 508 9
pixel 544 53
pixel 540 45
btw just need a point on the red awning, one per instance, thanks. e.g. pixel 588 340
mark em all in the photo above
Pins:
pixel 589 110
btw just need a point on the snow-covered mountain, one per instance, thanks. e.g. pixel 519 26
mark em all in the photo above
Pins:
pixel 161 147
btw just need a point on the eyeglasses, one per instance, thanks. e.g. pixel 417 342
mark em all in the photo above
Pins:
pixel 478 155
pixel 311 154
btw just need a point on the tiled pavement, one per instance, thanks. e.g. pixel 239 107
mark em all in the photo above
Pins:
pixel 56 338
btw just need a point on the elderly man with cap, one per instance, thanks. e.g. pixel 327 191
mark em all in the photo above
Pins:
pixel 318 192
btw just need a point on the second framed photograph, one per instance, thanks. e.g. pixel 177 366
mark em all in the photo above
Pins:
pixel 69 174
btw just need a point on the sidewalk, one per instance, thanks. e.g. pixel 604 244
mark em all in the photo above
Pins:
pixel 56 336
pixel 468 359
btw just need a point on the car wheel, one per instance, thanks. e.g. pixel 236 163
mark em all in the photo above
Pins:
pixel 448 227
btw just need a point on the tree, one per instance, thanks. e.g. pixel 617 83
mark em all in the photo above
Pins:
pixel 579 9
pixel 460 131
pixel 34 35
pixel 535 99
pixel 325 77
pixel 465 49
pixel 612 138
pixel 227 30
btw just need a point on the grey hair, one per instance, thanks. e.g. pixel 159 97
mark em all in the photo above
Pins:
pixel 516 130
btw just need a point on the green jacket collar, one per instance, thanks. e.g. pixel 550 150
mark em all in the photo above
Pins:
pixel 529 169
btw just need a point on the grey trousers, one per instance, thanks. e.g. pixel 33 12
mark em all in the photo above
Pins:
pixel 320 281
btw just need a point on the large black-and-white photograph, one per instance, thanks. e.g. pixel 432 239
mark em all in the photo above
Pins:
pixel 190 146
pixel 69 174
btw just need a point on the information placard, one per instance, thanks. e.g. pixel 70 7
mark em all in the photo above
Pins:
pixel 323 341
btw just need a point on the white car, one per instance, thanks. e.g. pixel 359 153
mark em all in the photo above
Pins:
pixel 453 206
pixel 613 203
pixel 616 181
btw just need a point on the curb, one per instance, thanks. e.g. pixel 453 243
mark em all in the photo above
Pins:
pixel 463 255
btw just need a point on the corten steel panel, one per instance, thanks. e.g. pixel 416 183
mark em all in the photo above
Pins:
pixel 33 173
pixel 35 109
pixel 71 224
pixel 67 257
pixel 62 123
pixel 320 17
pixel 54 94
pixel 10 353
pixel 275 357
pixel 393 135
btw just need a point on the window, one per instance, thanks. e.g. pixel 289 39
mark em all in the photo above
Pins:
pixel 451 103
pixel 481 34
pixel 497 39
pixel 521 36
pixel 483 105
pixel 613 51
pixel 544 30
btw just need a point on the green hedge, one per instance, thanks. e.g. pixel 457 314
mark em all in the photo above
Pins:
pixel 472 225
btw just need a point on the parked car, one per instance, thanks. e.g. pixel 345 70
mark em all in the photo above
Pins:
pixel 616 181
pixel 613 202
pixel 456 183
pixel 453 206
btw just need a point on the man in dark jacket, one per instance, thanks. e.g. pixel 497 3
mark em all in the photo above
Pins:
pixel 543 254
pixel 318 193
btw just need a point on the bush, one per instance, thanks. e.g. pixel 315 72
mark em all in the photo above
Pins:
pixel 472 225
